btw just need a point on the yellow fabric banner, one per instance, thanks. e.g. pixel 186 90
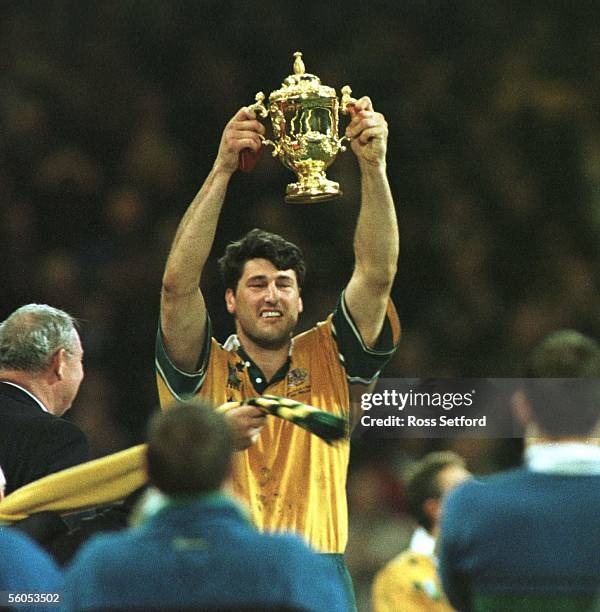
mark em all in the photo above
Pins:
pixel 94 483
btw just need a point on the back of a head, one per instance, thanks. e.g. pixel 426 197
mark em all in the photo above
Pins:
pixel 256 244
pixel 32 334
pixel 189 449
pixel 569 403
pixel 422 482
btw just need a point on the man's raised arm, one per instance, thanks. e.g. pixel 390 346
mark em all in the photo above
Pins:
pixel 182 307
pixel 376 240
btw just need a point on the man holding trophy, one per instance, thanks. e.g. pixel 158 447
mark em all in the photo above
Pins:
pixel 290 479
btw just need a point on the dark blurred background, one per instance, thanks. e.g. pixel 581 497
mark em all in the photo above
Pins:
pixel 110 118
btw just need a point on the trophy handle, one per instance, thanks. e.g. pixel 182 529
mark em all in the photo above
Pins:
pixel 347 102
pixel 347 107
pixel 259 106
pixel 248 158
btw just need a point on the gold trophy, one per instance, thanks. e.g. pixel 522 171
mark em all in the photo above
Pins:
pixel 304 115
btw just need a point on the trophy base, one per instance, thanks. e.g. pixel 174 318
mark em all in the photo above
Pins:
pixel 297 193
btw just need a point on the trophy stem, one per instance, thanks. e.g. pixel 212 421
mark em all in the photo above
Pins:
pixel 312 186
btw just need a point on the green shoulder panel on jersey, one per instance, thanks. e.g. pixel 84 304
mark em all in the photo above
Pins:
pixel 182 385
pixel 362 363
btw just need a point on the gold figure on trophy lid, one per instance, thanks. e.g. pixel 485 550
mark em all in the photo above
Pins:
pixel 299 67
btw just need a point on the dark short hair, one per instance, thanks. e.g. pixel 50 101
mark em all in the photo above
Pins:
pixel 569 404
pixel 257 243
pixel 422 482
pixel 189 449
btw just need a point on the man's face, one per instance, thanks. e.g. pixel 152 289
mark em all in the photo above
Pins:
pixel 266 304
pixel 72 372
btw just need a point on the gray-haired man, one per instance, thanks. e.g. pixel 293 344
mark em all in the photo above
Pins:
pixel 40 373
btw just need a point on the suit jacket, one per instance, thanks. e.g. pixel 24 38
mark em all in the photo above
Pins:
pixel 521 538
pixel 34 443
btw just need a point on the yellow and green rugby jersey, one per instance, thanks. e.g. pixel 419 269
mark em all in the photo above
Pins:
pixel 290 479
pixel 409 582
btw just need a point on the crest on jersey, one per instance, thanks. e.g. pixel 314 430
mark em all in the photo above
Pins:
pixel 232 378
pixel 297 377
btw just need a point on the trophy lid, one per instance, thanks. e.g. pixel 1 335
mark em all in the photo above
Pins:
pixel 301 84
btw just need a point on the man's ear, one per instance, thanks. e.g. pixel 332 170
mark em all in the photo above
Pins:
pixel 230 301
pixel 521 408
pixel 58 364
pixel 300 305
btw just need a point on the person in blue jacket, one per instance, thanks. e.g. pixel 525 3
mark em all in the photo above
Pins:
pixel 29 577
pixel 528 539
pixel 194 547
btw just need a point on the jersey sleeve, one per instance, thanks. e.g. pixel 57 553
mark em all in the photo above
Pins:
pixel 362 363
pixel 182 385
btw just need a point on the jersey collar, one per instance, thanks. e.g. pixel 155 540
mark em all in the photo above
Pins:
pixel 258 379
pixel 565 458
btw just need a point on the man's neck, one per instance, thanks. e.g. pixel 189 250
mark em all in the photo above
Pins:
pixel 269 360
